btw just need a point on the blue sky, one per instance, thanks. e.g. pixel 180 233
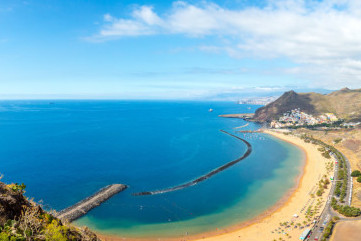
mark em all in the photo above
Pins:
pixel 176 50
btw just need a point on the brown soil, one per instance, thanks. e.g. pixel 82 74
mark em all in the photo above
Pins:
pixel 347 231
pixel 352 144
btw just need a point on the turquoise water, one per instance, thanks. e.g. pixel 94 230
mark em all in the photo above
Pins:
pixel 67 150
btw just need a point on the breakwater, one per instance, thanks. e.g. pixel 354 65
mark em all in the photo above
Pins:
pixel 83 207
pixel 257 131
pixel 247 116
pixel 206 176
pixel 239 127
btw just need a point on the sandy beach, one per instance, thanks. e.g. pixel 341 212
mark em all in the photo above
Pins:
pixel 314 169
pixel 267 226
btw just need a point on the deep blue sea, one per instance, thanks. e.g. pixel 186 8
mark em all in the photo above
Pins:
pixel 66 150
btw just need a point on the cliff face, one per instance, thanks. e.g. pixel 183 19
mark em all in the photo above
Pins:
pixel 21 219
pixel 345 103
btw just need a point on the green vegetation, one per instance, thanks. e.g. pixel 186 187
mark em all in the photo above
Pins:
pixel 358 179
pixel 24 220
pixel 336 124
pixel 325 152
pixel 345 210
pixel 326 155
pixel 6 232
pixel 356 173
pixel 328 230
pixel 338 189
pixel 54 231
pixel 34 224
pixel 341 184
pixel 337 140
pixel 322 185
pixel 325 148
pixel 20 188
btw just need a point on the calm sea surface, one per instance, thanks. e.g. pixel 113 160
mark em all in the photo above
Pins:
pixel 66 150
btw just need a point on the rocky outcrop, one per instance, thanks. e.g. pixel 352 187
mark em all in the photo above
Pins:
pixel 12 204
pixel 21 219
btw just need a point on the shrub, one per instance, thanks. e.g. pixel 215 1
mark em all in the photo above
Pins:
pixel 55 232
pixel 338 140
pixel 356 173
pixel 338 189
pixel 341 174
pixel 17 187
pixel 328 230
pixel 349 211
pixel 319 192
pixel 326 154
pixel 358 179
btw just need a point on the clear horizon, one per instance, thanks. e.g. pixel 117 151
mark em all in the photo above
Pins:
pixel 191 50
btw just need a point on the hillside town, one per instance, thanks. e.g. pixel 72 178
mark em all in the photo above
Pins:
pixel 297 117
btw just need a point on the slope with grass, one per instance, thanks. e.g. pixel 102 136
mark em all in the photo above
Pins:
pixel 22 219
pixel 345 103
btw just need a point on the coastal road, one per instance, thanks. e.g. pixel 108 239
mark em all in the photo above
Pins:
pixel 328 212
pixel 348 197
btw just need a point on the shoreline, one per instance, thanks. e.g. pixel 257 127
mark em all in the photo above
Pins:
pixel 254 228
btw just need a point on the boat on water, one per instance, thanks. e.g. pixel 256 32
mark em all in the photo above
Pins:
pixel 210 110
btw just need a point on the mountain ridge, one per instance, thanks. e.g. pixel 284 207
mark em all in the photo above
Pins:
pixel 345 103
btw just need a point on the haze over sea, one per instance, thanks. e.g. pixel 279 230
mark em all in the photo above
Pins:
pixel 66 150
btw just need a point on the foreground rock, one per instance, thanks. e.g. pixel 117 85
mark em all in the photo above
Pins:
pixel 21 219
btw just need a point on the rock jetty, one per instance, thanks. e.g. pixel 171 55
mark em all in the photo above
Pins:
pixel 83 207
pixel 206 176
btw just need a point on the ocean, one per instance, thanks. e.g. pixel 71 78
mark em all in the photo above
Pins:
pixel 65 151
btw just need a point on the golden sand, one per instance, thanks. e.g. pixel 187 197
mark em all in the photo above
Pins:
pixel 350 146
pixel 267 226
pixel 314 169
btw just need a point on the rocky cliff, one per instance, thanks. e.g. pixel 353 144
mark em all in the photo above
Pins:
pixel 22 219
